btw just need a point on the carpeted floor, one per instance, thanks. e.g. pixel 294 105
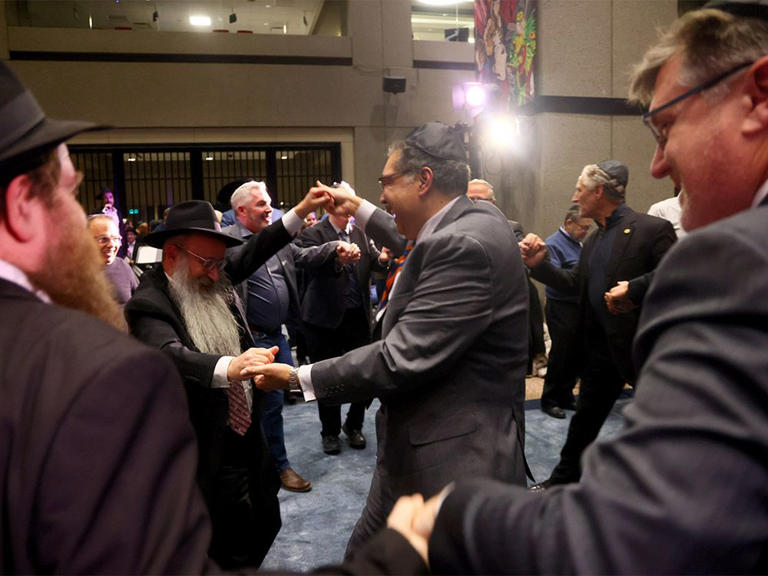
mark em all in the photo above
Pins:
pixel 317 524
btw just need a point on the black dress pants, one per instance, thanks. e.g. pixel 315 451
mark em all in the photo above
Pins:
pixel 325 343
pixel 601 384
pixel 245 512
pixel 564 355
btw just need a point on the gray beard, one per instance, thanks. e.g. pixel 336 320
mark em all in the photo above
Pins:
pixel 206 314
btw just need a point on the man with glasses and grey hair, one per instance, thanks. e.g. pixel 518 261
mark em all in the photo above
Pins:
pixel 626 247
pixel 684 487
pixel 450 366
pixel 188 308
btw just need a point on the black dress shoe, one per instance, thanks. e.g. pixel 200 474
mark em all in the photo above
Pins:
pixel 355 437
pixel 540 487
pixel 569 405
pixel 554 411
pixel 331 444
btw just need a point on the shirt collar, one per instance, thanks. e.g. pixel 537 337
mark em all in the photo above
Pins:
pixel 13 274
pixel 762 194
pixel 568 236
pixel 338 230
pixel 429 226
pixel 615 216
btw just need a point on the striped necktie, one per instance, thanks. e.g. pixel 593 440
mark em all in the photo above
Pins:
pixel 239 415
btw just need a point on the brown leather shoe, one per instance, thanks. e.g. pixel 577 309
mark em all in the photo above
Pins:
pixel 293 482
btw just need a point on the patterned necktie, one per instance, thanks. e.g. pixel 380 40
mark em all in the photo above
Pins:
pixel 239 415
pixel 394 270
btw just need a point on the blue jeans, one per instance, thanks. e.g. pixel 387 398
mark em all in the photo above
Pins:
pixel 272 405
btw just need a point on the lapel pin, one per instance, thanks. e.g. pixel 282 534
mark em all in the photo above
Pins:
pixel 626 230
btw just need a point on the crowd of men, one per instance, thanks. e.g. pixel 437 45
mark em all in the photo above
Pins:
pixel 145 452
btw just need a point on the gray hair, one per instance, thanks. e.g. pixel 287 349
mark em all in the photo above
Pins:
pixel 709 43
pixel 573 214
pixel 450 176
pixel 242 195
pixel 492 196
pixel 593 176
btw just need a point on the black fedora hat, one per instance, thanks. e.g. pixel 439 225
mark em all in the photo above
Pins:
pixel 24 127
pixel 192 217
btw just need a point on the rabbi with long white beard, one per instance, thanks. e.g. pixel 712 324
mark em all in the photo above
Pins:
pixel 187 308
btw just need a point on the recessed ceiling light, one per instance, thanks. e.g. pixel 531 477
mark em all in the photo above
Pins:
pixel 200 20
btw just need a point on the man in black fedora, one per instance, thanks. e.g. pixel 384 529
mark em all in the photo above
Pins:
pixel 97 456
pixel 188 308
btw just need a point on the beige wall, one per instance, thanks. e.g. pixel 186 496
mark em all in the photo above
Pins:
pixel 586 48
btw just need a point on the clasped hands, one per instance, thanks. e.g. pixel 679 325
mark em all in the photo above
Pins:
pixel 415 519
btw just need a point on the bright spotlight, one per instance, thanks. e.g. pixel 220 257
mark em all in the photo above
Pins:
pixel 475 95
pixel 200 20
pixel 503 132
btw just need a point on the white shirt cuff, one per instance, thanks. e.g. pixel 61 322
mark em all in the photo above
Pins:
pixel 220 379
pixel 292 222
pixel 364 213
pixel 305 381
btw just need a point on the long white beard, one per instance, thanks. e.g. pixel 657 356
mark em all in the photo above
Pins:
pixel 206 313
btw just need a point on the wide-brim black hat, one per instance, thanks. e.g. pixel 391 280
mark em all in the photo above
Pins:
pixel 24 127
pixel 192 217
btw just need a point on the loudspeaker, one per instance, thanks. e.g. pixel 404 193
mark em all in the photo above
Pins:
pixel 393 84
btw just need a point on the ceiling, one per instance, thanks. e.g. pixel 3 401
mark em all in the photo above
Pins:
pixel 299 17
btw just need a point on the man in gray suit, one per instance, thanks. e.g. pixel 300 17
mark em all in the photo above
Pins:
pixel 684 488
pixel 450 367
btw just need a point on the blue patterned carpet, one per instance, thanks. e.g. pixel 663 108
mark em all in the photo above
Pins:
pixel 317 524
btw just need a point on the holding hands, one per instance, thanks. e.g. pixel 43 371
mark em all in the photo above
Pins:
pixel 533 250
pixel 343 200
pixel 347 253
pixel 414 519
pixel 240 365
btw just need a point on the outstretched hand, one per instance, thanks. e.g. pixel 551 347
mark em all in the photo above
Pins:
pixel 345 201
pixel 347 253
pixel 533 250
pixel 249 358
pixel 268 377
pixel 316 198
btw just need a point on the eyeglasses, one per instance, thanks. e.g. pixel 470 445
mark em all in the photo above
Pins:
pixel 104 240
pixel 208 263
pixel 389 179
pixel 661 133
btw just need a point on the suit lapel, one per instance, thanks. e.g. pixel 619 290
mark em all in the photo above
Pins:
pixel 625 230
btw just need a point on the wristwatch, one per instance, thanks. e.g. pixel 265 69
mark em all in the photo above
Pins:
pixel 293 380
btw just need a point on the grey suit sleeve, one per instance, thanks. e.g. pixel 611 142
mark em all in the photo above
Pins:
pixel 684 488
pixel 382 228
pixel 454 281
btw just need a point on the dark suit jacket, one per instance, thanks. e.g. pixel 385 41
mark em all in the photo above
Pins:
pixel 639 245
pixel 323 303
pixel 97 456
pixel 450 367
pixel 684 487
pixel 290 257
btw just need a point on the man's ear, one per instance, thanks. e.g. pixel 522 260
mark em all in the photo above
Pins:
pixel 756 120
pixel 426 176
pixel 23 210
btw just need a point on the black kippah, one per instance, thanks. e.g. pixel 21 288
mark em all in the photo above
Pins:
pixel 440 141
